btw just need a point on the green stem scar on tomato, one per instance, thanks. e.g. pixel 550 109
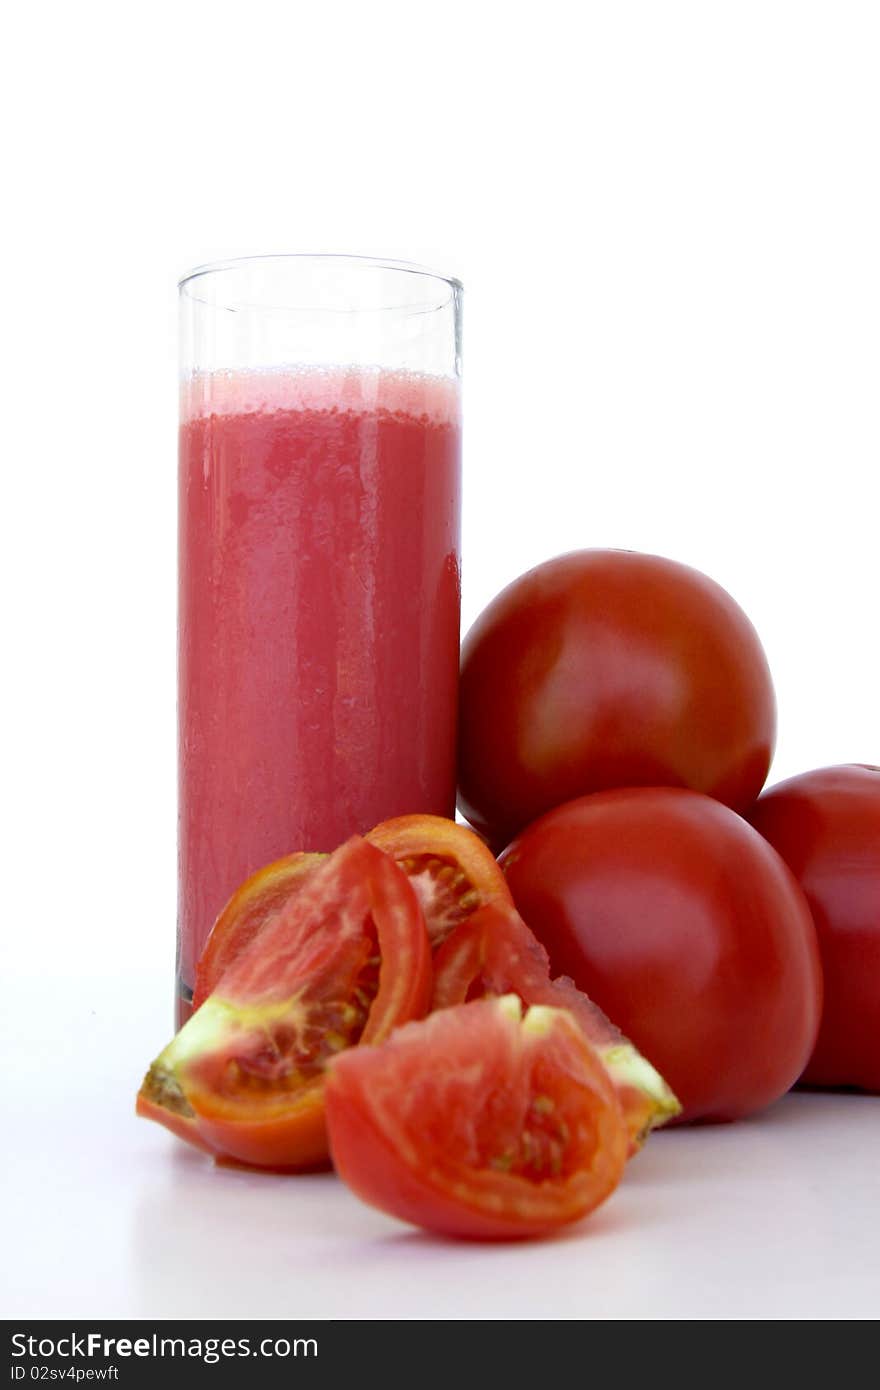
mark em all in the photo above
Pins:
pixel 344 961
pixel 479 1122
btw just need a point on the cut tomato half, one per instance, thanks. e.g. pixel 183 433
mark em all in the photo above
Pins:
pixel 494 952
pixel 479 1122
pixel 451 869
pixel 246 913
pixel 344 961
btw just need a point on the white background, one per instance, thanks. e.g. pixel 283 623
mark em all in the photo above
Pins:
pixel 667 220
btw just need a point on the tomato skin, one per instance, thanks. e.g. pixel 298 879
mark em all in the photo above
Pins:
pixel 245 1076
pixel 688 929
pixel 292 1140
pixel 826 826
pixel 603 669
pixel 406 1120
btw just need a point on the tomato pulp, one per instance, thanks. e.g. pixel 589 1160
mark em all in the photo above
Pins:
pixel 688 929
pixel 449 867
pixel 826 826
pixel 319 618
pixel 495 953
pixel 479 1122
pixel 249 909
pixel 343 962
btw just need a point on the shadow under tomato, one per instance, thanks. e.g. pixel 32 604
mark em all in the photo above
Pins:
pixel 739 1150
pixel 609 1221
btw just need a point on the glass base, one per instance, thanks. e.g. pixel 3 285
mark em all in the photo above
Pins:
pixel 183 1009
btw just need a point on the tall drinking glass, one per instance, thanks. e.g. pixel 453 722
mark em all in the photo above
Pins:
pixel 319 563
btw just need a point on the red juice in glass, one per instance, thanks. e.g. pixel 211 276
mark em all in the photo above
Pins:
pixel 318 616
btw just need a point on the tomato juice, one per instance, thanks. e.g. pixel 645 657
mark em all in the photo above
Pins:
pixel 319 617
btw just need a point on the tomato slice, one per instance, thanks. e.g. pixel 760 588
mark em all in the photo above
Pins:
pixel 344 961
pixel 479 1122
pixel 494 952
pixel 246 913
pixel 452 870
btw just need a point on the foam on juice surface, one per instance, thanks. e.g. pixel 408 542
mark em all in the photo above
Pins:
pixel 358 390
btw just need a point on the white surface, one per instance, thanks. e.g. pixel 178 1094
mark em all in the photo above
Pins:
pixel 109 1216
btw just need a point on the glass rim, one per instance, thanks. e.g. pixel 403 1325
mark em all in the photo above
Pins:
pixel 360 262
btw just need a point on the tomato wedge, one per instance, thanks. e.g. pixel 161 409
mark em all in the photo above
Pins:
pixel 478 1122
pixel 246 913
pixel 494 952
pixel 451 869
pixel 344 961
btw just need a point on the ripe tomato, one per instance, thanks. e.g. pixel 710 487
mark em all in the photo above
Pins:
pixel 449 867
pixel 606 668
pixel 479 1122
pixel 495 953
pixel 688 929
pixel 245 915
pixel 344 961
pixel 826 826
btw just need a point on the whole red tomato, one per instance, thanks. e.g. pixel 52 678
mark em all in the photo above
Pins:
pixel 826 826
pixel 688 929
pixel 607 668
